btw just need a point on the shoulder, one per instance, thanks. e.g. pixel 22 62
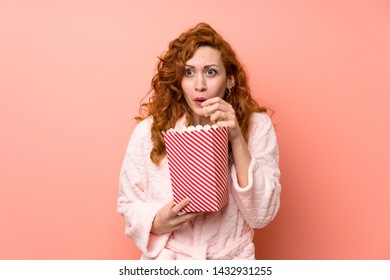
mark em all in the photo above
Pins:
pixel 141 132
pixel 262 133
pixel 256 116
pixel 144 126
pixel 260 121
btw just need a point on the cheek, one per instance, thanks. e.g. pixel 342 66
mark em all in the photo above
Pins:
pixel 185 91
pixel 220 89
pixel 185 87
pixel 187 98
pixel 186 94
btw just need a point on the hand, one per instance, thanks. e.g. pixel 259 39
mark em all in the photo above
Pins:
pixel 170 217
pixel 222 114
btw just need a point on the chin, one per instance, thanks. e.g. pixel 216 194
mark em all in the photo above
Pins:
pixel 199 112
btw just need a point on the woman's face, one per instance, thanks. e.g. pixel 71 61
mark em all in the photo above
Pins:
pixel 204 78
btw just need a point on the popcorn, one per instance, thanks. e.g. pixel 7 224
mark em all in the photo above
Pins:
pixel 198 166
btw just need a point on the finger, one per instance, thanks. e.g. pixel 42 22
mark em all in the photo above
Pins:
pixel 227 124
pixel 219 116
pixel 178 207
pixel 205 109
pixel 181 213
pixel 211 107
pixel 168 206
pixel 213 100
pixel 186 217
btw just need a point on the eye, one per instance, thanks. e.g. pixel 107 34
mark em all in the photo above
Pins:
pixel 211 72
pixel 189 72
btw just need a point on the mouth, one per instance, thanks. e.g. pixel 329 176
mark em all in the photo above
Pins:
pixel 199 100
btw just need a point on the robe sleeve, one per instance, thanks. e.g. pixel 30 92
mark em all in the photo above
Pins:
pixel 133 202
pixel 259 201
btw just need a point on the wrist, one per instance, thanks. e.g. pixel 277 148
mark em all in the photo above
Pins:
pixel 238 140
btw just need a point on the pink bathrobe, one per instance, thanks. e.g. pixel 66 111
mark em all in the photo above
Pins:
pixel 226 234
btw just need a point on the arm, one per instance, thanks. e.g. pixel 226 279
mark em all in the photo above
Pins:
pixel 223 114
pixel 255 172
pixel 259 200
pixel 242 159
pixel 133 202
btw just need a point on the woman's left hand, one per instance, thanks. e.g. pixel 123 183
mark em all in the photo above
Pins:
pixel 222 114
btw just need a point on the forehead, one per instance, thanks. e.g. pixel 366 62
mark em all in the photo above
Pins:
pixel 205 56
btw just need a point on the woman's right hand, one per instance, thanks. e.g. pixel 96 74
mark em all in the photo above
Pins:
pixel 170 217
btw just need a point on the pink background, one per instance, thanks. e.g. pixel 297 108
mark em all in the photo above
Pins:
pixel 72 74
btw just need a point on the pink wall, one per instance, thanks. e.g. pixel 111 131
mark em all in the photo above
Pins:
pixel 72 74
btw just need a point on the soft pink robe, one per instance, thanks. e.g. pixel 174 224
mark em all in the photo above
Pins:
pixel 226 234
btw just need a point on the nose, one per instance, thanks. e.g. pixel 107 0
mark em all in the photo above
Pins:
pixel 200 83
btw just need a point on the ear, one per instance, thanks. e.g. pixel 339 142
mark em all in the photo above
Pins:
pixel 230 82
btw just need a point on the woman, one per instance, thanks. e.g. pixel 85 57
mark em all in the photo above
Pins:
pixel 200 81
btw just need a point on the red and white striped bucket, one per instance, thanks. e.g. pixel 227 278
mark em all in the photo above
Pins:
pixel 198 166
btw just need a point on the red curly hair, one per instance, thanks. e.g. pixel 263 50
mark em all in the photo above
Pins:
pixel 167 103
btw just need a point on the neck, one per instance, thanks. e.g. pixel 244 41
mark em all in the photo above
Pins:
pixel 200 120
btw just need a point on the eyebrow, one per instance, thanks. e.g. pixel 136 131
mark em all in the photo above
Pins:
pixel 206 66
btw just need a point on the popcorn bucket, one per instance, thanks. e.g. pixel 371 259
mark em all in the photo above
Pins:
pixel 198 166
